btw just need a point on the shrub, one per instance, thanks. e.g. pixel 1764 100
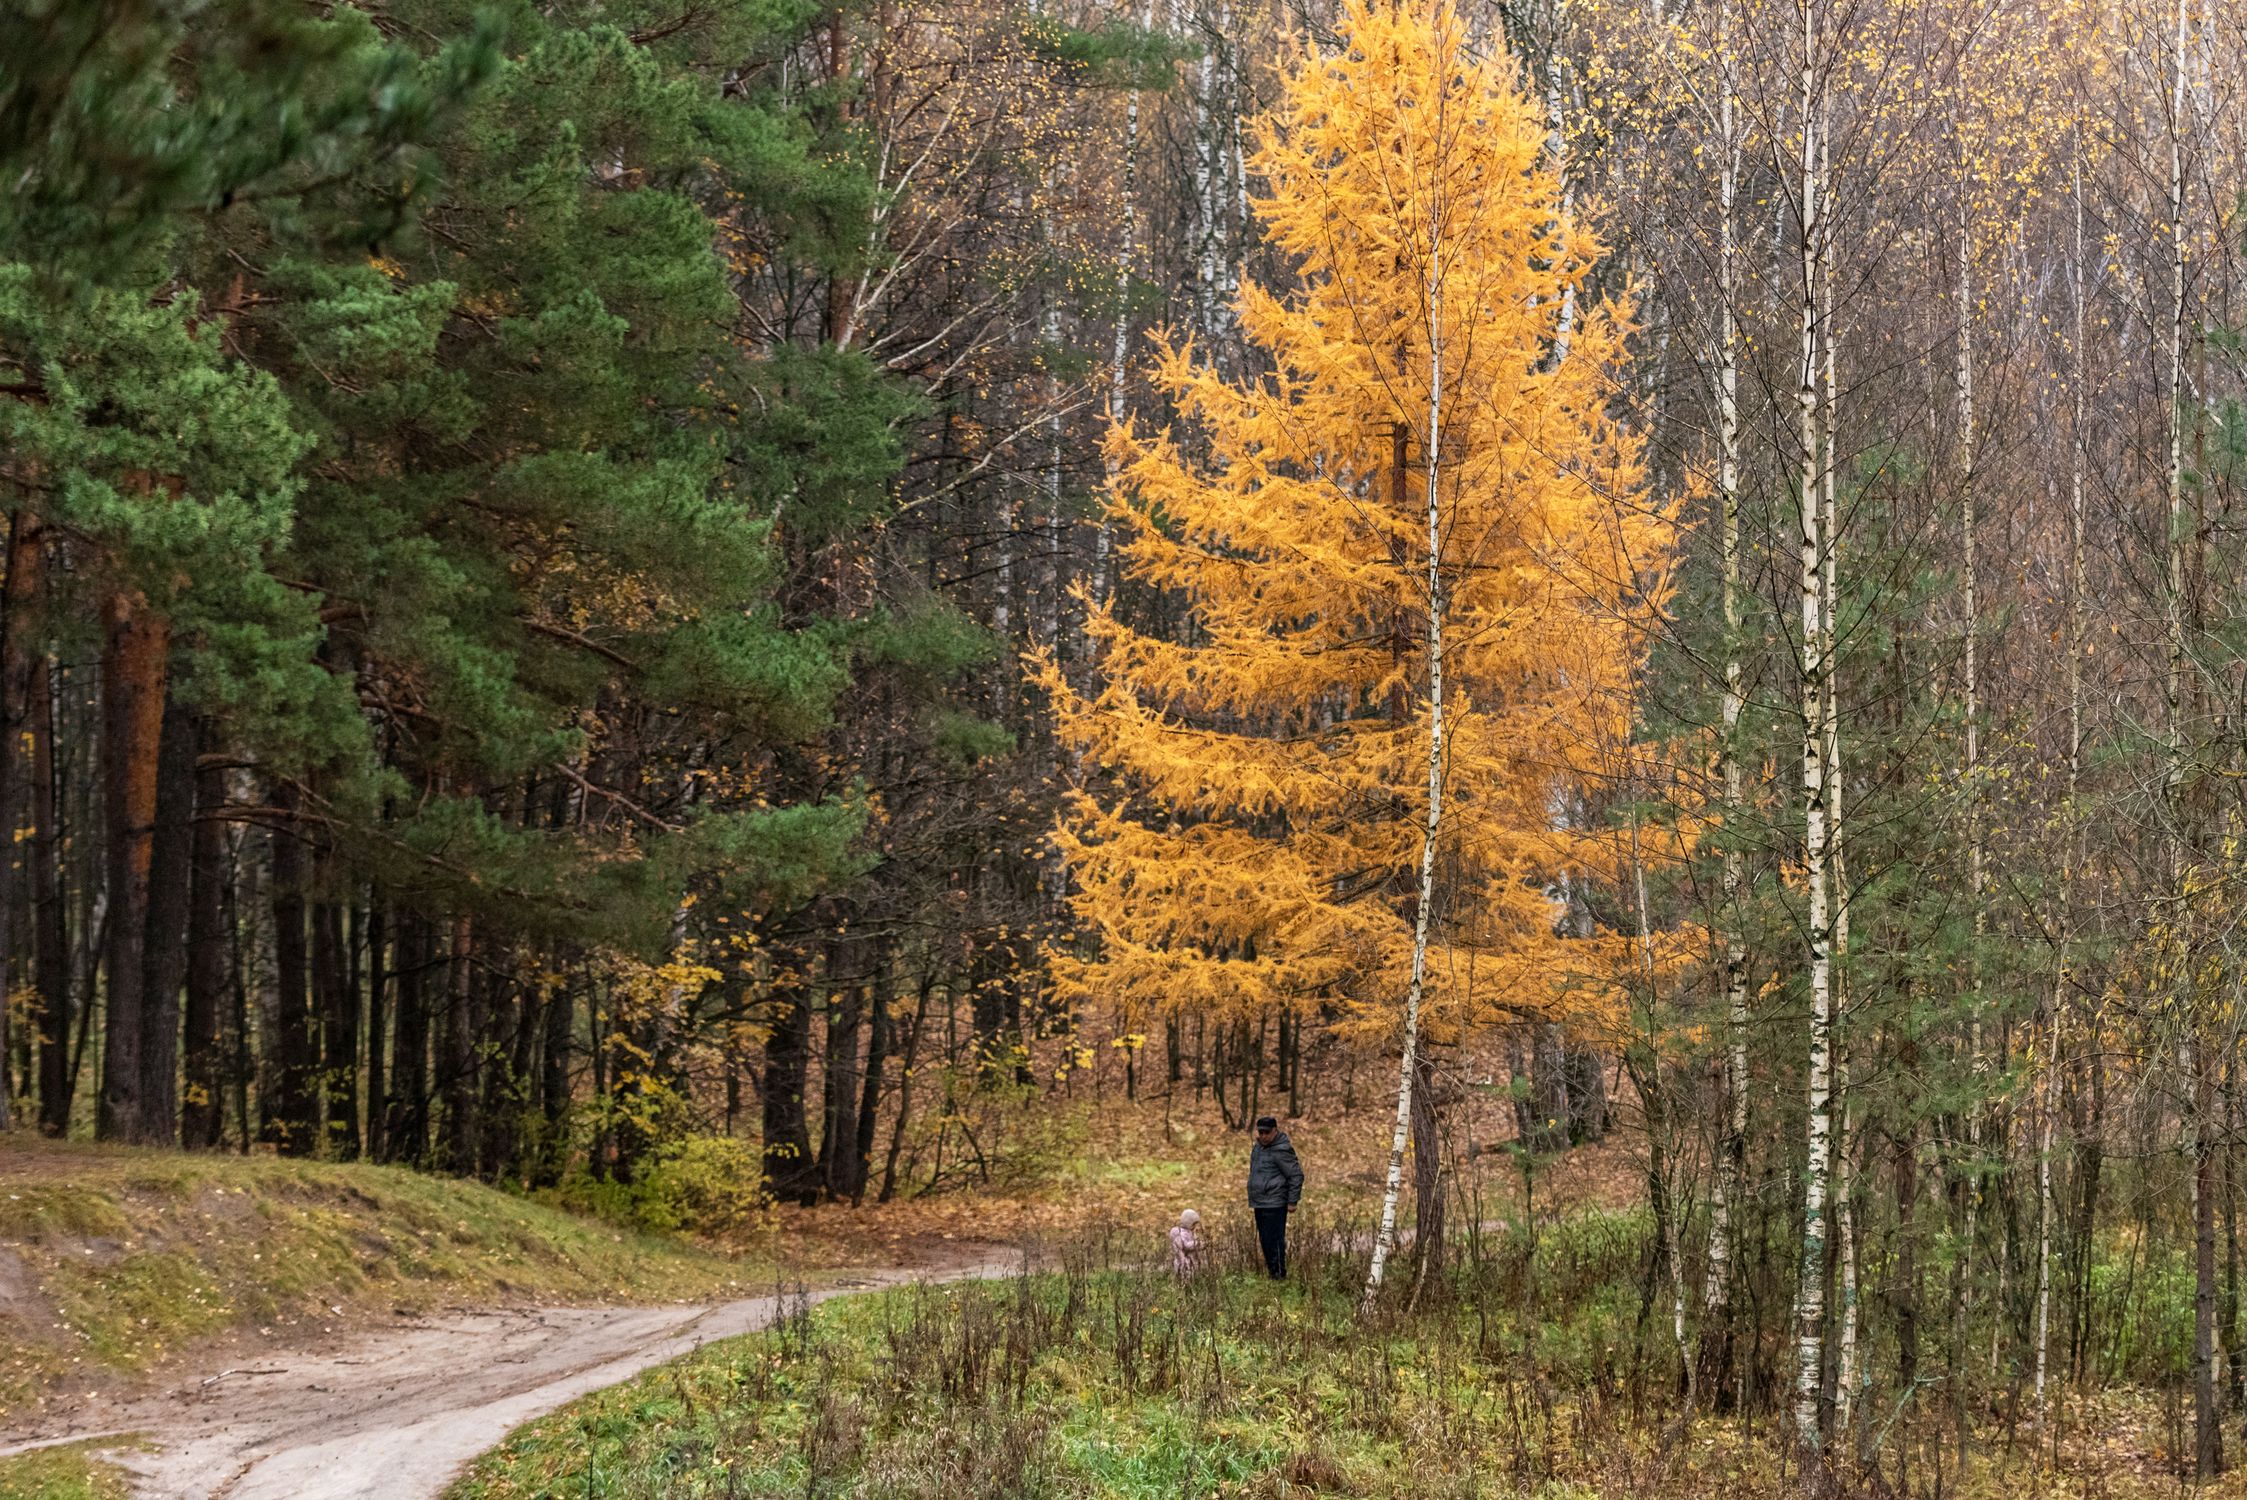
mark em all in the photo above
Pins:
pixel 705 1184
pixel 708 1185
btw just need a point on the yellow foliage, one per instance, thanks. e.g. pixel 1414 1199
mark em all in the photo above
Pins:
pixel 1262 842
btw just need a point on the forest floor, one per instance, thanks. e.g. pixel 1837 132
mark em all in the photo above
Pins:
pixel 1512 1377
pixel 189 1324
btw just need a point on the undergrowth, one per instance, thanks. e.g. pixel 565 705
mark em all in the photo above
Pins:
pixel 1520 1374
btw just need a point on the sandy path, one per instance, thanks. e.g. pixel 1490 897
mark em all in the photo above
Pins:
pixel 397 1413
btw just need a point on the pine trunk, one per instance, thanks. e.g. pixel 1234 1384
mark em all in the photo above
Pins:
pixel 338 1005
pixel 839 1073
pixel 50 915
pixel 878 1027
pixel 136 644
pixel 457 1070
pixel 791 1172
pixel 377 1104
pixel 554 1084
pixel 170 891
pixel 293 1057
pixel 406 1133
pixel 18 664
pixel 208 948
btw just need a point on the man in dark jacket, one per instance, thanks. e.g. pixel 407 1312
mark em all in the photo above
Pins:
pixel 1275 1183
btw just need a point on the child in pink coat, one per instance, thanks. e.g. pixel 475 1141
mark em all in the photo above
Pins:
pixel 1186 1243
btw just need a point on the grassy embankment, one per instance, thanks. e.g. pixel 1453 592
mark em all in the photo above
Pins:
pixel 1522 1377
pixel 112 1261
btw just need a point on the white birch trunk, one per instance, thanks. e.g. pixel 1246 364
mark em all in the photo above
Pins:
pixel 1716 1291
pixel 1206 155
pixel 1846 1363
pixel 1384 1244
pixel 1658 1120
pixel 1237 236
pixel 1971 789
pixel 2174 604
pixel 1830 568
pixel 1119 344
pixel 2071 824
pixel 1045 627
pixel 1810 1297
pixel 1847 1371
pixel 2208 1359
pixel 2049 1064
pixel 1556 146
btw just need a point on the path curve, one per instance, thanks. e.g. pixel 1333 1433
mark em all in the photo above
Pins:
pixel 398 1413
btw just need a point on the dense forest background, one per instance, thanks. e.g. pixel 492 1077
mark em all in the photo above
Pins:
pixel 544 543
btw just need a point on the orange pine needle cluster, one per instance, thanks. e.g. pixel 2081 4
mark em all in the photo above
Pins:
pixel 1248 835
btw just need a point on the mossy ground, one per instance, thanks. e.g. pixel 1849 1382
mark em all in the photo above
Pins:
pixel 70 1471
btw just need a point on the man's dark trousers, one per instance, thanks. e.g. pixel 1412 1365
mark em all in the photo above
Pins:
pixel 1271 1232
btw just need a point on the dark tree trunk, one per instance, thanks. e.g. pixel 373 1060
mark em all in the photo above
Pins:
pixel 238 1037
pixel 878 1027
pixel 2208 1432
pixel 1201 1054
pixel 18 677
pixel 504 1148
pixel 378 1073
pixel 2090 1162
pixel 1544 1115
pixel 905 1089
pixel 839 1078
pixel 597 1150
pixel 1294 1064
pixel 554 1085
pixel 207 952
pixel 136 642
pixel 50 918
pixel 339 1030
pixel 1427 1170
pixel 994 1052
pixel 1904 1159
pixel 291 1121
pixel 1253 1107
pixel 406 1133
pixel 457 1072
pixel 790 1171
pixel 1587 1095
pixel 170 885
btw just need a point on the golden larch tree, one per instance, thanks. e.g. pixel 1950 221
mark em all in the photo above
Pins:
pixel 1417 562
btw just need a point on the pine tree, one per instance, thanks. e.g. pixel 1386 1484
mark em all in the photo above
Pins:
pixel 1419 560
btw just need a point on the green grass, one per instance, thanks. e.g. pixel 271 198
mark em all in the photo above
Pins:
pixel 1524 1376
pixel 131 1256
pixel 1100 1380
pixel 71 1471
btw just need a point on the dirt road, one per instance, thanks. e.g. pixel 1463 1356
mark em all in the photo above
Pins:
pixel 397 1413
